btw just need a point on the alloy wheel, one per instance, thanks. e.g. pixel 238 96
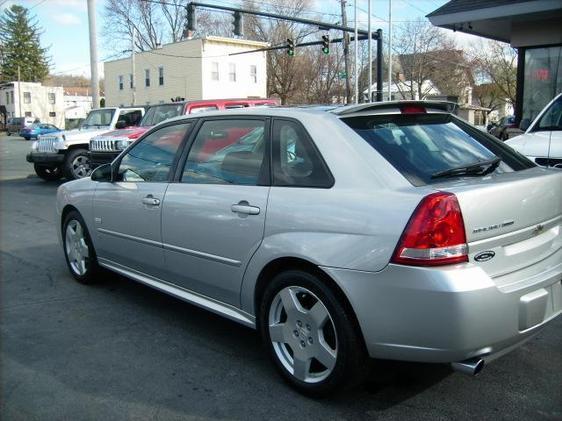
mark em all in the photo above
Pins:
pixel 81 167
pixel 76 247
pixel 303 334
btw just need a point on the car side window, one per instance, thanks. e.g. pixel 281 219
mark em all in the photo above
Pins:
pixel 227 152
pixel 296 161
pixel 151 159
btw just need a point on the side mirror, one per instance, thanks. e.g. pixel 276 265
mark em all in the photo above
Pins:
pixel 525 123
pixel 121 124
pixel 103 173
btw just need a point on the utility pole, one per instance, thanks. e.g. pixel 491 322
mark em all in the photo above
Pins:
pixel 346 54
pixel 19 91
pixel 93 54
pixel 389 50
pixel 370 47
pixel 133 80
pixel 356 45
pixel 379 67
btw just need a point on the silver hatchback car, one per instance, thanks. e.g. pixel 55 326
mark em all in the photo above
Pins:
pixel 391 230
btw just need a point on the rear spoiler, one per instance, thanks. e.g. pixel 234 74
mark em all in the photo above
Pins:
pixel 394 106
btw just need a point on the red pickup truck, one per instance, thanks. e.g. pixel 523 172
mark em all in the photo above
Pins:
pixel 107 146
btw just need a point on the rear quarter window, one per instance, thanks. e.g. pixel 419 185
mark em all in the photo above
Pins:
pixel 422 145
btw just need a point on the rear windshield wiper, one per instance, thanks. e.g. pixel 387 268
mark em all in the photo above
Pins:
pixel 475 169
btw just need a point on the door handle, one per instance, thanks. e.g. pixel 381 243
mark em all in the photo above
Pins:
pixel 243 207
pixel 150 200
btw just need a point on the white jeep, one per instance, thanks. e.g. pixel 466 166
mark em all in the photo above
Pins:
pixel 65 153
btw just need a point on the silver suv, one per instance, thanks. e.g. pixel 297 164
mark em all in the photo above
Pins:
pixel 391 230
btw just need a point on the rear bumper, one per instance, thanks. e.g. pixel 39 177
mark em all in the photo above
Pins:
pixel 99 158
pixel 452 314
pixel 45 158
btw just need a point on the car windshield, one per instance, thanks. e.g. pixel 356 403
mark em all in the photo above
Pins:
pixel 99 118
pixel 159 113
pixel 552 118
pixel 428 147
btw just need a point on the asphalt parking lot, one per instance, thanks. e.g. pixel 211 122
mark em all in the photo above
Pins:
pixel 120 350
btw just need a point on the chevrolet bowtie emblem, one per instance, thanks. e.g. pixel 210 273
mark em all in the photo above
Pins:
pixel 538 229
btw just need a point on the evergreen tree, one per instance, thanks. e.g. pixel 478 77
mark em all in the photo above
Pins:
pixel 20 46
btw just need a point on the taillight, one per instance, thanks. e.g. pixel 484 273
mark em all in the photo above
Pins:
pixel 412 109
pixel 434 235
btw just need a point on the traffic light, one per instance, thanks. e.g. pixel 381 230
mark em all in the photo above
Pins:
pixel 191 18
pixel 237 23
pixel 326 44
pixel 290 47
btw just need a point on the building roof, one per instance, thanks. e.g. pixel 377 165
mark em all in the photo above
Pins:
pixel 220 40
pixel 492 18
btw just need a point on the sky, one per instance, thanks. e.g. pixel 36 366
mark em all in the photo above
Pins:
pixel 65 24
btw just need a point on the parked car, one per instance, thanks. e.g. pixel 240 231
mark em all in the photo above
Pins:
pixel 105 147
pixel 66 153
pixel 505 128
pixel 37 129
pixel 16 124
pixel 406 233
pixel 542 140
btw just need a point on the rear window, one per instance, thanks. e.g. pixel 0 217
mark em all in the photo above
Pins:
pixel 159 113
pixel 423 145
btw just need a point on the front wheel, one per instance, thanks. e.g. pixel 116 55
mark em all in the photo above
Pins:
pixel 77 164
pixel 78 249
pixel 309 334
pixel 48 173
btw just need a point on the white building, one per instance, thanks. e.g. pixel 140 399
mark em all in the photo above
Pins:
pixel 31 99
pixel 77 102
pixel 402 90
pixel 192 69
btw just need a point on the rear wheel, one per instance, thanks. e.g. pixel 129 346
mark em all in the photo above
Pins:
pixel 77 164
pixel 48 173
pixel 78 249
pixel 309 334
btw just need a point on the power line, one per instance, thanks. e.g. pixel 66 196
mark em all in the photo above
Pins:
pixel 37 4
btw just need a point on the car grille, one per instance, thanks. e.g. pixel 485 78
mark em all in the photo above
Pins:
pixel 103 145
pixel 47 144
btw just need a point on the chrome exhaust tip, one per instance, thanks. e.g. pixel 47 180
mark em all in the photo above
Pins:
pixel 472 366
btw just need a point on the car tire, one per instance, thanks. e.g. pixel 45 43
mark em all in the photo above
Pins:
pixel 77 164
pixel 27 138
pixel 78 249
pixel 48 173
pixel 301 320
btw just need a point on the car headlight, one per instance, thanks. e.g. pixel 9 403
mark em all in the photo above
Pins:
pixel 35 146
pixel 123 144
pixel 59 143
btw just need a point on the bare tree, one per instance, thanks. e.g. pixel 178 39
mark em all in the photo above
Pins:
pixel 155 23
pixel 284 73
pixel 497 62
pixel 427 53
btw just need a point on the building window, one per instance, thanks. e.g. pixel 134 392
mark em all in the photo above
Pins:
pixel 161 76
pixel 52 114
pixel 28 113
pixel 232 72
pixel 52 98
pixel 12 97
pixel 214 70
pixel 7 98
pixel 147 77
pixel 254 73
pixel 131 81
pixel 27 97
pixel 120 82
